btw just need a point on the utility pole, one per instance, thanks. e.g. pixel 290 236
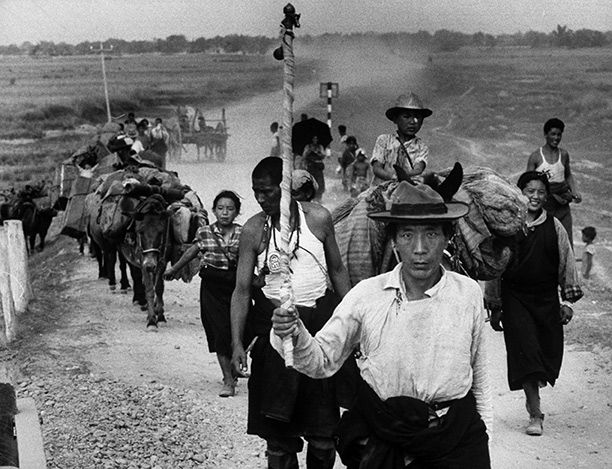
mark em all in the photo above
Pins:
pixel 101 50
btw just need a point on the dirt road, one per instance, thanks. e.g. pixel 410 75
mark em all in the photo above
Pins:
pixel 91 342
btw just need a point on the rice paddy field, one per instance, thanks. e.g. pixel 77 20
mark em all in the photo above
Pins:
pixel 489 108
pixel 65 95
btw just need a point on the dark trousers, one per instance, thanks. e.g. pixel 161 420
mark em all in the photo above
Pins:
pixel 282 452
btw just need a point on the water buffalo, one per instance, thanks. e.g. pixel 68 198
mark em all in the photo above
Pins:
pixel 35 221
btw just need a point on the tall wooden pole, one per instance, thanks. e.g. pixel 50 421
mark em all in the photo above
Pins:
pixel 102 50
pixel 285 53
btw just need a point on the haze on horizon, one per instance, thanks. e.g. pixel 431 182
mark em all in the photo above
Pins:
pixel 75 21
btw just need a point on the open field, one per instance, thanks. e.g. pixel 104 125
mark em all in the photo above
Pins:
pixel 489 107
pixel 65 92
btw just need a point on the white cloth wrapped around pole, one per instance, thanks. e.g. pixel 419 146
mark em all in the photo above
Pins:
pixel 18 262
pixel 6 297
pixel 287 299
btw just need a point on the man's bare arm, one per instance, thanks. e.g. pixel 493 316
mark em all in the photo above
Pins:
pixel 241 298
pixel 532 162
pixel 569 177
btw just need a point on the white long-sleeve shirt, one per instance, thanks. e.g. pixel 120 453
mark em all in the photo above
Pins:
pixel 431 349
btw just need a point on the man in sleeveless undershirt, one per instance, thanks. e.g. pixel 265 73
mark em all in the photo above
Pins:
pixel 284 405
pixel 554 161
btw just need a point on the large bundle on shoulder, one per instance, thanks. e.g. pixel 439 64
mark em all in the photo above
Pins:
pixel 497 211
pixel 483 238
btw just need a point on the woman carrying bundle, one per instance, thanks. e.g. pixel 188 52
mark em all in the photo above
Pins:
pixel 217 245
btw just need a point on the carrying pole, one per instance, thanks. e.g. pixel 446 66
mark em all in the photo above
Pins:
pixel 285 53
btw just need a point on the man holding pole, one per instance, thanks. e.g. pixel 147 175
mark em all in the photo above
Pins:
pixel 424 399
pixel 285 405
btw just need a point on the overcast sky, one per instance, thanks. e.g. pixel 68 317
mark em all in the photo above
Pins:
pixel 79 20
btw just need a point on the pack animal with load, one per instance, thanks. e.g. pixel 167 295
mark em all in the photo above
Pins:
pixel 132 213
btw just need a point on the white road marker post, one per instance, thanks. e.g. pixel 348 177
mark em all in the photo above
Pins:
pixel 6 297
pixel 18 262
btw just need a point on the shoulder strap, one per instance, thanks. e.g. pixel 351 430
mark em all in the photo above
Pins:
pixel 323 269
pixel 405 152
pixel 265 234
pixel 221 247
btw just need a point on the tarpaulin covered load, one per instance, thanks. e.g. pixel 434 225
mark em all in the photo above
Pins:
pixel 65 178
pixel 75 216
pixel 360 239
pixel 497 210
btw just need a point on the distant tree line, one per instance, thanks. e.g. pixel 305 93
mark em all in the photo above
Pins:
pixel 441 40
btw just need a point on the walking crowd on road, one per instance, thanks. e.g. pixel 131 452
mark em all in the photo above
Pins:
pixel 402 352
pixel 390 371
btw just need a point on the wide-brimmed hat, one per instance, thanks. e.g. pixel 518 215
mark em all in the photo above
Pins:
pixel 419 203
pixel 409 102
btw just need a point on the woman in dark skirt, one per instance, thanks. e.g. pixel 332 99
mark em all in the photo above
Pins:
pixel 217 246
pixel 528 302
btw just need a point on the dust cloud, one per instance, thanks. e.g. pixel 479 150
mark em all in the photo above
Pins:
pixel 366 70
pixel 366 62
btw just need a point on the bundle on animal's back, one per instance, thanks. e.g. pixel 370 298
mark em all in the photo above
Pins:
pixel 118 192
pixel 360 239
pixel 75 217
pixel 483 238
pixel 187 216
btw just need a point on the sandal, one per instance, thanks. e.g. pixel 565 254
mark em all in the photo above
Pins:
pixel 228 390
pixel 536 425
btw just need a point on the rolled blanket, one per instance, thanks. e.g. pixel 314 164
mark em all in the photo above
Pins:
pixel 501 203
pixel 497 211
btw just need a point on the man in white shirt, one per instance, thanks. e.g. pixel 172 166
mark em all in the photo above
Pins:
pixel 424 399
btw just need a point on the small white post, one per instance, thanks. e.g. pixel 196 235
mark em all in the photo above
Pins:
pixel 6 297
pixel 18 262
